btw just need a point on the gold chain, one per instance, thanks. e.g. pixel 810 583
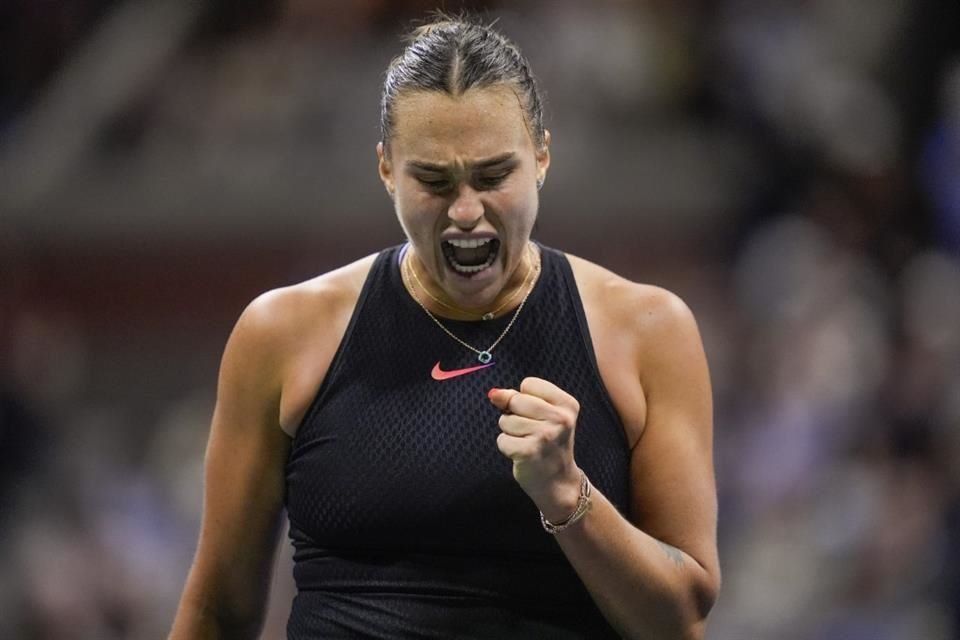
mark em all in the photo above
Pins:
pixel 490 315
pixel 483 356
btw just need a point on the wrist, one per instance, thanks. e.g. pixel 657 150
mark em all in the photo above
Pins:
pixel 566 516
pixel 561 499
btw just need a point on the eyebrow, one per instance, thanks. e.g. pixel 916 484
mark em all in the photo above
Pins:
pixel 482 164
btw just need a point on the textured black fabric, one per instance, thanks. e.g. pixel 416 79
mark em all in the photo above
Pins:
pixel 405 517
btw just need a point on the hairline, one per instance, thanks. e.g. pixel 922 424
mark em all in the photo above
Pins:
pixel 529 126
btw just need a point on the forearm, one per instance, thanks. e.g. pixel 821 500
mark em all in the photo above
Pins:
pixel 194 623
pixel 215 605
pixel 198 621
pixel 644 587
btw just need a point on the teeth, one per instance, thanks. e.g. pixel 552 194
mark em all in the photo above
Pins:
pixel 459 268
pixel 450 247
pixel 469 244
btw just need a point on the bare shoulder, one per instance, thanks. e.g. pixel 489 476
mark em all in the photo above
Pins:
pixel 651 312
pixel 289 336
pixel 638 331
pixel 281 314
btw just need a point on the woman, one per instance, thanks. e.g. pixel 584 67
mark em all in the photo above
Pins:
pixel 415 410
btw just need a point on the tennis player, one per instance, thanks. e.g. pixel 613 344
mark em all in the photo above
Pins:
pixel 473 435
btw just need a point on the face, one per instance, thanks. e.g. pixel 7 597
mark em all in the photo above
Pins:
pixel 463 171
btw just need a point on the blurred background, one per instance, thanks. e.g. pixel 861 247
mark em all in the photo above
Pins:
pixel 791 168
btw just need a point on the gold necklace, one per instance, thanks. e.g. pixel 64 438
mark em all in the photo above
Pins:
pixel 484 356
pixel 490 315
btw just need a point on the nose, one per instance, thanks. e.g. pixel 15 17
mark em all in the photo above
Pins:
pixel 466 209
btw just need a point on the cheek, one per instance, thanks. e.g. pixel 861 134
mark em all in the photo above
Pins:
pixel 417 214
pixel 523 210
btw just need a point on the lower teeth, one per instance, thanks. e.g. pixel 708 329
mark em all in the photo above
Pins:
pixel 459 268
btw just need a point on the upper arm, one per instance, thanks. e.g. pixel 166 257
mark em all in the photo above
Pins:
pixel 672 476
pixel 244 478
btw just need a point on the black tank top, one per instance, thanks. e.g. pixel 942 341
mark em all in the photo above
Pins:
pixel 405 517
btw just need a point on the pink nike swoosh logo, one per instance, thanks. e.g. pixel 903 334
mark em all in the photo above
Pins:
pixel 440 374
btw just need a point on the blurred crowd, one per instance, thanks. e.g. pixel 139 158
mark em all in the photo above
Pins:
pixel 790 168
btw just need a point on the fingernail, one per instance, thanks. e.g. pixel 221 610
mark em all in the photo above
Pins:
pixel 491 392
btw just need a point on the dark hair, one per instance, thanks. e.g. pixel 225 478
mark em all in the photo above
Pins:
pixel 452 54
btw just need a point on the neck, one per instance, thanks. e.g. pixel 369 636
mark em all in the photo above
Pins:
pixel 424 290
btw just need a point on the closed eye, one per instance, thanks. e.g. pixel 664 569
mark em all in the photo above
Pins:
pixel 492 181
pixel 435 184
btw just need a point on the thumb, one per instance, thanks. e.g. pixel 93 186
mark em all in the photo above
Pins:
pixel 501 398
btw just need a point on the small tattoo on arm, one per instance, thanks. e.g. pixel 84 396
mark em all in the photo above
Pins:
pixel 672 552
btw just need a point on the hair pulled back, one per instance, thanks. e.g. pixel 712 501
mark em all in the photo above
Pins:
pixel 452 54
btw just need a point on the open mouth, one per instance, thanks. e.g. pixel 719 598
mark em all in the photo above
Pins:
pixel 468 257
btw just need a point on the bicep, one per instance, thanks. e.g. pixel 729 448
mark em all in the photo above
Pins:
pixel 672 475
pixel 244 481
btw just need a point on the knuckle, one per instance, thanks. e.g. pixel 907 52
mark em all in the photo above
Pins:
pixel 527 384
pixel 548 438
pixel 550 435
pixel 558 416
pixel 560 435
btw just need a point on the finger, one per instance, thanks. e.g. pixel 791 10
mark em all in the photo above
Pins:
pixel 513 402
pixel 516 448
pixel 549 392
pixel 501 398
pixel 519 426
pixel 536 408
pixel 542 438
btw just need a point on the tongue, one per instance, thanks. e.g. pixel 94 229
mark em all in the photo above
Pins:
pixel 471 257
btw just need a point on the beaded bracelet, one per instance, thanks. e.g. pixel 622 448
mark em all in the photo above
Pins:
pixel 583 505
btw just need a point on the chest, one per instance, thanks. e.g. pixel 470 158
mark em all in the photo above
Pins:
pixel 388 452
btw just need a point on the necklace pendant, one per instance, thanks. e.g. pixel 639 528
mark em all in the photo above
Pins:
pixel 484 357
pixel 488 316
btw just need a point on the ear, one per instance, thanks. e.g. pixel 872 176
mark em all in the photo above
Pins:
pixel 385 169
pixel 543 158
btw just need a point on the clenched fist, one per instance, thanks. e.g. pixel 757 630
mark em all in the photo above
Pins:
pixel 537 429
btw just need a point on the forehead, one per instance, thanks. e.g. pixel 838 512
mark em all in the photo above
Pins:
pixel 480 123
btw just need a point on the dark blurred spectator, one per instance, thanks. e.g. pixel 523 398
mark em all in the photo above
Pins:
pixel 36 36
pixel 23 442
pixel 939 170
